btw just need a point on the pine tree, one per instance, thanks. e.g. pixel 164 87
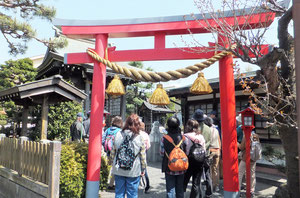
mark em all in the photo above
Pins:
pixel 15 26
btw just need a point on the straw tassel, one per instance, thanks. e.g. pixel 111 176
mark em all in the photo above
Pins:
pixel 201 85
pixel 159 96
pixel 116 87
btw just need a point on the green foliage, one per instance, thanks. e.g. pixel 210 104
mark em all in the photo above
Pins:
pixel 18 31
pixel 14 73
pixel 60 118
pixel 137 92
pixel 73 170
pixel 17 72
pixel 3 116
pixel 104 173
pixel 172 107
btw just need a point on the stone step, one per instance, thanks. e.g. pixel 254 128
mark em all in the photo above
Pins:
pixel 271 179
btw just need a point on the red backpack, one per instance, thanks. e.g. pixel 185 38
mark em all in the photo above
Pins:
pixel 178 161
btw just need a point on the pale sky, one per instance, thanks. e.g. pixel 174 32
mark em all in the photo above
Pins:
pixel 120 9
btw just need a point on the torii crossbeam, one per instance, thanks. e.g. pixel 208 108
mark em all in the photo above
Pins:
pixel 160 27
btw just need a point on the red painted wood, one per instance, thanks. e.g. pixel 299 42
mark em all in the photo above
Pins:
pixel 247 132
pixel 152 55
pixel 169 28
pixel 78 58
pixel 158 54
pixel 228 122
pixel 97 109
pixel 160 40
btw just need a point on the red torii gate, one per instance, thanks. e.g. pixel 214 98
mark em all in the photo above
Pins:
pixel 160 27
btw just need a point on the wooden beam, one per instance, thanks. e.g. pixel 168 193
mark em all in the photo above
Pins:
pixel 45 110
pixel 153 54
pixel 250 21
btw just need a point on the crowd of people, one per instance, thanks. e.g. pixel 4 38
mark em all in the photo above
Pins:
pixel 193 152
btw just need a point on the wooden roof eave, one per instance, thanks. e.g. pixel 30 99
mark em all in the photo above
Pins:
pixel 53 85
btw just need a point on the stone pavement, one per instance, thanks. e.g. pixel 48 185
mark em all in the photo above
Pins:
pixel 264 189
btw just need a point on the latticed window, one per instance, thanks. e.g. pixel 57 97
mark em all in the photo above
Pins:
pixel 206 108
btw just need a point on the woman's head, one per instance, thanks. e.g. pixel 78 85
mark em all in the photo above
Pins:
pixel 173 124
pixel 133 123
pixel 117 122
pixel 191 126
pixel 208 121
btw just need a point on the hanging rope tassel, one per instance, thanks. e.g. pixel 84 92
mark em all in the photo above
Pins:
pixel 116 87
pixel 159 96
pixel 201 85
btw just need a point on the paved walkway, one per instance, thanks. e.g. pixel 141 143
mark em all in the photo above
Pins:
pixel 158 187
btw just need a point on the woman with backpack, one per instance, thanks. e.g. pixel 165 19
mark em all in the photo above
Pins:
pixel 129 158
pixel 174 172
pixel 195 143
pixel 254 138
pixel 108 141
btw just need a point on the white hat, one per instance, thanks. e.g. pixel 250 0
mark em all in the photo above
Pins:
pixel 239 118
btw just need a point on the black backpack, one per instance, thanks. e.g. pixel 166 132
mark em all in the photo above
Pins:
pixel 125 154
pixel 197 152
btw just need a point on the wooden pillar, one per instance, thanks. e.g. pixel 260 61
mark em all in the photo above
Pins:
pixel 184 110
pixel 215 102
pixel 229 135
pixel 87 91
pixel 45 110
pixel 24 120
pixel 123 106
pixel 97 109
pixel 54 169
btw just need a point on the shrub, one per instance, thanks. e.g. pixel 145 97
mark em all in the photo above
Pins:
pixel 73 170
pixel 60 118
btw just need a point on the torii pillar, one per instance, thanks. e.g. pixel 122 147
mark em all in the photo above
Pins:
pixel 228 123
pixel 97 109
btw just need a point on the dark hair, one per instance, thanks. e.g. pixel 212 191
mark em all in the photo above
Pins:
pixel 133 123
pixel 117 122
pixel 191 126
pixel 173 124
pixel 208 121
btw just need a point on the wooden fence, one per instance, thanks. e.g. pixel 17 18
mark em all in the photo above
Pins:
pixel 39 161
pixel 28 158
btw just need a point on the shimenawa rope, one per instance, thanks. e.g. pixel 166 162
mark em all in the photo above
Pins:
pixel 150 76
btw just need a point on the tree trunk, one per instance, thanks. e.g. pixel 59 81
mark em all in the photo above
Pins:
pixel 290 144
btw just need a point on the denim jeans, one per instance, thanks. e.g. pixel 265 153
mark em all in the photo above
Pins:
pixel 174 185
pixel 126 185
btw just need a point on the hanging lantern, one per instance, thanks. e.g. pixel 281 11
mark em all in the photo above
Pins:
pixel 159 96
pixel 116 87
pixel 201 86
